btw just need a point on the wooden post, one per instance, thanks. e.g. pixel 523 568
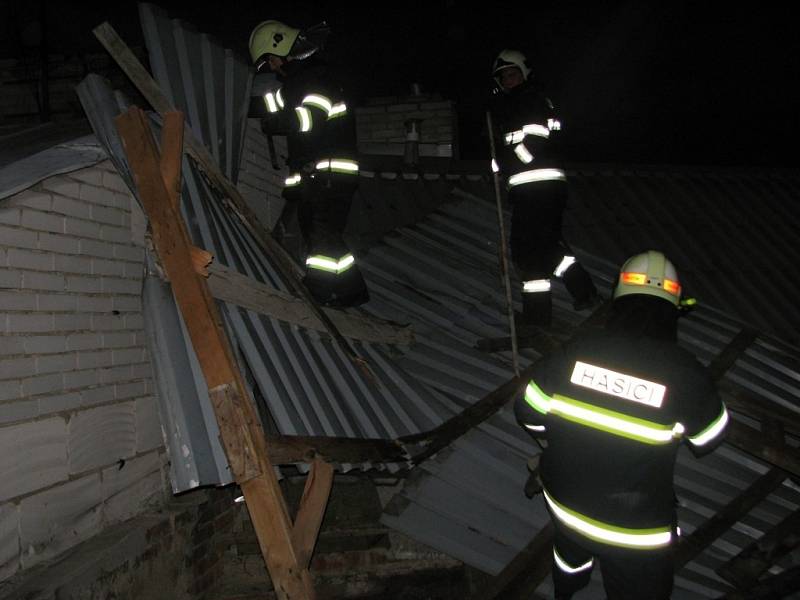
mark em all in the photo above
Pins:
pixel 240 429
pixel 312 509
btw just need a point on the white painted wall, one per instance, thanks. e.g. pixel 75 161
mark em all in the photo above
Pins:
pixel 259 182
pixel 81 445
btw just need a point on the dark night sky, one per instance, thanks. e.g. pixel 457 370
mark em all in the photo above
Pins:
pixel 638 81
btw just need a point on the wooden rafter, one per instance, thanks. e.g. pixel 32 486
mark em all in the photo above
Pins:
pixel 692 545
pixel 230 286
pixel 744 569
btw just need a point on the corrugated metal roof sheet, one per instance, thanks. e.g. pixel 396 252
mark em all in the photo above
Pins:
pixel 208 82
pixel 60 158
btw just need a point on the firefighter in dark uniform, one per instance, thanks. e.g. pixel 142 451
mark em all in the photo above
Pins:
pixel 612 408
pixel 526 132
pixel 311 111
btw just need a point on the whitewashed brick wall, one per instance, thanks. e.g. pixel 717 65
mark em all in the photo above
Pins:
pixel 81 445
pixel 259 182
pixel 381 121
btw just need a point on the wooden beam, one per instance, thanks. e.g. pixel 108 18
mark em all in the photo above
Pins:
pixel 235 202
pixel 287 449
pixel 445 434
pixel 312 509
pixel 542 342
pixel 758 408
pixel 777 586
pixel 231 286
pixel 744 438
pixel 240 429
pixel 744 569
pixel 754 442
pixel 731 353
pixel 692 545
pixel 525 572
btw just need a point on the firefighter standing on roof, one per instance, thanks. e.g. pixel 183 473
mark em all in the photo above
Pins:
pixel 613 407
pixel 525 124
pixel 310 109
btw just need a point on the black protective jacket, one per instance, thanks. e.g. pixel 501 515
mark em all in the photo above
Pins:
pixel 613 408
pixel 525 105
pixel 316 117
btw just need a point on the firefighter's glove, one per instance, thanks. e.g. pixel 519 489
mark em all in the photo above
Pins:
pixel 686 306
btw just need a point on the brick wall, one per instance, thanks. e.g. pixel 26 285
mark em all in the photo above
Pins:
pixel 355 555
pixel 19 89
pixel 81 446
pixel 381 125
pixel 259 182
pixel 174 552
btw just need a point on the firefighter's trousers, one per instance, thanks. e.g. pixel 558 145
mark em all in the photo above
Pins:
pixel 538 250
pixel 627 574
pixel 322 204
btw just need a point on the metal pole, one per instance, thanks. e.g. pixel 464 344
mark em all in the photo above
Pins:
pixel 503 252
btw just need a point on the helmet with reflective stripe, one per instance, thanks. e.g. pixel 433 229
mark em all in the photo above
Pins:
pixel 649 273
pixel 510 58
pixel 272 37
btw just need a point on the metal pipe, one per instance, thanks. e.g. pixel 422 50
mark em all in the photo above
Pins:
pixel 503 252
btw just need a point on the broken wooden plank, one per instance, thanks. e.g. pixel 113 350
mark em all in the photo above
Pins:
pixel 231 286
pixel 312 509
pixel 201 261
pixel 691 545
pixel 744 569
pixel 525 572
pixel 240 429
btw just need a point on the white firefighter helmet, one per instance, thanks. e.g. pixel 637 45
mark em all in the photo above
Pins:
pixel 279 39
pixel 649 273
pixel 510 58
pixel 272 37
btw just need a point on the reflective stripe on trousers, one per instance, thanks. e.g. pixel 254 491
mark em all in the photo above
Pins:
pixel 606 533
